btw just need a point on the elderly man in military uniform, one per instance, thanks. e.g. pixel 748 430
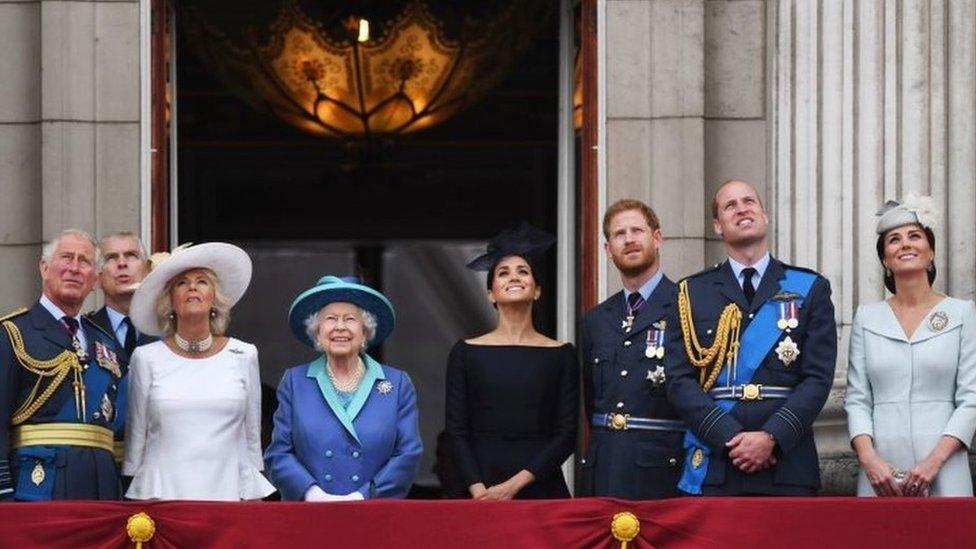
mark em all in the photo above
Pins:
pixel 635 442
pixel 752 363
pixel 60 376
pixel 121 267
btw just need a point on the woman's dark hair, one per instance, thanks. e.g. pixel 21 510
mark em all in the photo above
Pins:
pixel 889 279
pixel 533 265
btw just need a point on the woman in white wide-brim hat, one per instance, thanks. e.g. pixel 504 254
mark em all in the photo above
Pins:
pixel 193 420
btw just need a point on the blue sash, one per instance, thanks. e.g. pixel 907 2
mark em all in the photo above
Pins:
pixel 756 342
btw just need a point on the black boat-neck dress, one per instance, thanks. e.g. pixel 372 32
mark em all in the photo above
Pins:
pixel 512 407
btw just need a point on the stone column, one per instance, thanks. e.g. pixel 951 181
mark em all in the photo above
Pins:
pixel 870 100
pixel 20 141
pixel 69 128
pixel 655 120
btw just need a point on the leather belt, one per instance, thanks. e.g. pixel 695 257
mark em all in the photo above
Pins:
pixel 63 434
pixel 623 422
pixel 752 391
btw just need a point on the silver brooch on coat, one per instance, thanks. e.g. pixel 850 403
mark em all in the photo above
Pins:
pixel 384 387
pixel 938 321
pixel 656 376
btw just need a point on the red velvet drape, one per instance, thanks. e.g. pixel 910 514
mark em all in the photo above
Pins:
pixel 584 523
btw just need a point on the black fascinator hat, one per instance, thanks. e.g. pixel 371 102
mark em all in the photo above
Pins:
pixel 524 241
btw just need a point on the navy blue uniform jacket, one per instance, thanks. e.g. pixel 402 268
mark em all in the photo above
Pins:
pixel 789 420
pixel 71 472
pixel 633 464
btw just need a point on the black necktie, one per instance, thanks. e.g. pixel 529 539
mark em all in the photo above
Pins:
pixel 634 302
pixel 130 336
pixel 747 287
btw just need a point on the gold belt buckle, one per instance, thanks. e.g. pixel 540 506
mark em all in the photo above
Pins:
pixel 751 391
pixel 618 422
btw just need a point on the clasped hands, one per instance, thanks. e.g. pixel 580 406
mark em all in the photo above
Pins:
pixel 503 490
pixel 752 451
pixel 318 495
pixel 888 481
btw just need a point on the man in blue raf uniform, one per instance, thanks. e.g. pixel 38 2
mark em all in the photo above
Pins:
pixel 121 267
pixel 635 443
pixel 60 377
pixel 753 362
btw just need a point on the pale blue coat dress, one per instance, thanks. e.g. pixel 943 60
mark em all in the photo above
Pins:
pixel 908 392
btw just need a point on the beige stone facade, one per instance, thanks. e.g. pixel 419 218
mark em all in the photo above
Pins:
pixel 69 128
pixel 828 106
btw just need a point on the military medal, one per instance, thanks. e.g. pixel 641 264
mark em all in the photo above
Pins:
pixel 79 350
pixel 107 359
pixel 655 344
pixel 107 408
pixel 787 351
pixel 656 376
pixel 37 474
pixel 938 321
pixel 384 387
pixel 627 323
pixel 788 315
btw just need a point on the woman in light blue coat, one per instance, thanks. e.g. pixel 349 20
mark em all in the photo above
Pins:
pixel 911 379
pixel 346 425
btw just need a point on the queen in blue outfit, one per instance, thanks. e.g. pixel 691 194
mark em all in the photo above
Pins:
pixel 346 425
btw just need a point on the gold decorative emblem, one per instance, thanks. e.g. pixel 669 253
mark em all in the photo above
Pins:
pixel 107 359
pixel 37 475
pixel 787 351
pixel 938 321
pixel 624 527
pixel 751 392
pixel 697 458
pixel 661 324
pixel 618 422
pixel 140 527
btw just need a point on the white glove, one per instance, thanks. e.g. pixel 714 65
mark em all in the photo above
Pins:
pixel 317 494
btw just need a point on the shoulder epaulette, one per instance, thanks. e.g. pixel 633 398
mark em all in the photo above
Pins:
pixel 708 270
pixel 13 314
pixel 802 269
pixel 95 325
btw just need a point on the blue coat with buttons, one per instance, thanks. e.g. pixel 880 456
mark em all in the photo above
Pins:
pixel 372 446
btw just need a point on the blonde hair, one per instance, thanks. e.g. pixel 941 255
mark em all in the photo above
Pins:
pixel 219 314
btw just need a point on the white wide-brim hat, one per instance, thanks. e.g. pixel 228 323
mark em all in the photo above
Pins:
pixel 231 264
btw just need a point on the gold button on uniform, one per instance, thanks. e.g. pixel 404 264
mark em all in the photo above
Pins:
pixel 623 373
pixel 620 405
pixel 627 343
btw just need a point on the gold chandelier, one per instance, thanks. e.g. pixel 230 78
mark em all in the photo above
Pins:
pixel 353 70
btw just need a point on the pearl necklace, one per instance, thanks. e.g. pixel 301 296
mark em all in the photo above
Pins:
pixel 201 346
pixel 349 385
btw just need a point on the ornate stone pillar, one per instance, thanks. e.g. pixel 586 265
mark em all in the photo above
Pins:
pixel 869 100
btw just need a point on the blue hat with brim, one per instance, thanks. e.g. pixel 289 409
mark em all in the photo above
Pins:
pixel 332 289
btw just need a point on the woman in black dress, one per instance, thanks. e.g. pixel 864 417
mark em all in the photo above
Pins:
pixel 512 394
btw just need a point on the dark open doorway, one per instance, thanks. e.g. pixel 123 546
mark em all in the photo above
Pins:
pixel 405 213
